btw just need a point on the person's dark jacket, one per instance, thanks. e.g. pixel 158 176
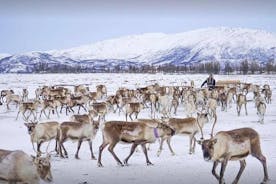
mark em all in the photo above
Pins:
pixel 211 82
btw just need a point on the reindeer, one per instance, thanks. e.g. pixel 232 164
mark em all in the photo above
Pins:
pixel 52 105
pixel 133 107
pixel 268 94
pixel 28 106
pixel 212 107
pixel 261 108
pixel 102 90
pixel 80 101
pixel 164 103
pixel 190 105
pixel 174 104
pixel 17 166
pixel 38 93
pixel 137 133
pixel 25 94
pixel 223 101
pixel 81 90
pixel 233 145
pixel 184 126
pixel 84 118
pixel 80 131
pixel 42 132
pixel 241 100
pixel 94 96
pixel 4 93
pixel 13 98
pixel 100 109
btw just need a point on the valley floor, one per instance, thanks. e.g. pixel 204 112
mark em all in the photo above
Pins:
pixel 178 169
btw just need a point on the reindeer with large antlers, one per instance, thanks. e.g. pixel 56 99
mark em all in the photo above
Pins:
pixel 233 145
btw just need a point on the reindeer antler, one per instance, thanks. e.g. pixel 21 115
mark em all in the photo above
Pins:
pixel 215 121
pixel 200 128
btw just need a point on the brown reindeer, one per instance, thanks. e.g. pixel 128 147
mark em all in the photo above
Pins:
pixel 137 133
pixel 80 131
pixel 42 132
pixel 233 145
pixel 133 107
pixel 184 126
pixel 28 106
pixel 241 100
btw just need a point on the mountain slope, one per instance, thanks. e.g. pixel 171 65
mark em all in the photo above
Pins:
pixel 202 45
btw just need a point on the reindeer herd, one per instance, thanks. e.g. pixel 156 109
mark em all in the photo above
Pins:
pixel 161 102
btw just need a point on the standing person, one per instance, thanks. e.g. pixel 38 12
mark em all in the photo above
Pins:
pixel 211 82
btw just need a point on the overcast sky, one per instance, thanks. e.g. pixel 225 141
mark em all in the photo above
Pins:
pixel 39 25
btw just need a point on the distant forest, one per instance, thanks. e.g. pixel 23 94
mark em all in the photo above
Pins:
pixel 244 67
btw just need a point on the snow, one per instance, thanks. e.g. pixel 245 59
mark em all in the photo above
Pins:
pixel 141 47
pixel 3 55
pixel 182 168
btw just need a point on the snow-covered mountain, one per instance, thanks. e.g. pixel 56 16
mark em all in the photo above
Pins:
pixel 202 45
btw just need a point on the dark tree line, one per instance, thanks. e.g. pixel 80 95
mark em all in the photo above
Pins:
pixel 244 67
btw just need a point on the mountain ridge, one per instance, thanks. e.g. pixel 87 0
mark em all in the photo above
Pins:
pixel 220 44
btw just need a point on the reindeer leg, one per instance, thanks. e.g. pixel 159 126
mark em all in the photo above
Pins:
pixel 222 170
pixel 245 109
pixel 191 142
pixel 262 159
pixel 214 170
pixel 130 116
pixel 91 150
pixel 79 109
pixel 242 166
pixel 38 148
pixel 111 150
pixel 160 147
pixel 133 147
pixel 65 152
pixel 146 154
pixel 79 145
pixel 17 115
pixel 126 116
pixel 169 145
pixel 101 148
pixel 57 112
pixel 56 147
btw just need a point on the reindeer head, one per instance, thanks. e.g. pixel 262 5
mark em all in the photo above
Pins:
pixel 43 166
pixel 207 147
pixel 30 126
pixel 202 118
pixel 165 130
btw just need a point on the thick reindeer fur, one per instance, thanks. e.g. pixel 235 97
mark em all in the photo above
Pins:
pixel 18 167
pixel 235 144
pixel 137 133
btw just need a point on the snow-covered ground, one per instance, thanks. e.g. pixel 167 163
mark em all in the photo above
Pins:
pixel 182 168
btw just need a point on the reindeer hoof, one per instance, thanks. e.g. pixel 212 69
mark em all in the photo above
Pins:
pixel 100 164
pixel 173 154
pixel 149 163
pixel 93 158
pixel 77 157
pixel 125 163
pixel 120 164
